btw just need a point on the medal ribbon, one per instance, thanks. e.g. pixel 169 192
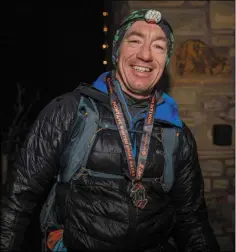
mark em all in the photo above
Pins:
pixel 136 172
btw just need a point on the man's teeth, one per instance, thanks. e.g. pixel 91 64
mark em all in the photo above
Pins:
pixel 141 69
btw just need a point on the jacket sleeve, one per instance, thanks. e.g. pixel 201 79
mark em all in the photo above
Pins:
pixel 32 174
pixel 192 231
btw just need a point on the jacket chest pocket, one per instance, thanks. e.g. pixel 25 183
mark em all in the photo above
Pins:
pixel 106 154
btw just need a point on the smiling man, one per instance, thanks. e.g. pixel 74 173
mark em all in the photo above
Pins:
pixel 142 59
pixel 127 169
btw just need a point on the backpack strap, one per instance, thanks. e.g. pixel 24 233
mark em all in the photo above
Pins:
pixel 170 141
pixel 97 95
pixel 77 153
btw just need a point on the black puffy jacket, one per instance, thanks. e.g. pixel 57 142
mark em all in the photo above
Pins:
pixel 96 212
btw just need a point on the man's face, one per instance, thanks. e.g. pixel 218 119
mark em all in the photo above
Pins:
pixel 142 57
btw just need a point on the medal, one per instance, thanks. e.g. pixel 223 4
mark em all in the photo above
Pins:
pixel 138 195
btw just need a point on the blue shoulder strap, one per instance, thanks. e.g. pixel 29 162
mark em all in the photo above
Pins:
pixel 79 150
pixel 170 139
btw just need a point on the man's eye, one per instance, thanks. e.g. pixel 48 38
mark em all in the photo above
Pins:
pixel 159 47
pixel 134 41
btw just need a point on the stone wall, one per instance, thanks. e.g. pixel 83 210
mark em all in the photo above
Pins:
pixel 202 82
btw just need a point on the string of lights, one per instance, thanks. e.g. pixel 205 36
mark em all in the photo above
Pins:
pixel 105 30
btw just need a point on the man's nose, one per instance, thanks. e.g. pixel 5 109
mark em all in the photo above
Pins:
pixel 145 53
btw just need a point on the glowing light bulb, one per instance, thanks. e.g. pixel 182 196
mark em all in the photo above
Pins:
pixel 105 29
pixel 104 46
pixel 104 62
pixel 105 13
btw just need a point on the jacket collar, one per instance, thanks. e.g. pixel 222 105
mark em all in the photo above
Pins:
pixel 167 111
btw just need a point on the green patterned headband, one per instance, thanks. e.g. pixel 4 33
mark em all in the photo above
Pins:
pixel 150 16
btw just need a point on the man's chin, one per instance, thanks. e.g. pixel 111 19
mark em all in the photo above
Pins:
pixel 140 91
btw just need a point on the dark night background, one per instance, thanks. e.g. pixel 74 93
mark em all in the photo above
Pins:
pixel 48 49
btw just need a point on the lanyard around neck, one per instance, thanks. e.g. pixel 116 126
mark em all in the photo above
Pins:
pixel 135 171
